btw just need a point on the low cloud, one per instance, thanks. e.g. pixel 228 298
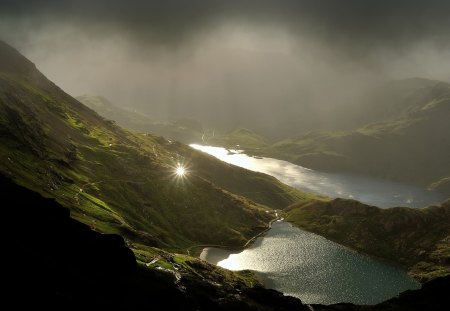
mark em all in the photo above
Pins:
pixel 284 65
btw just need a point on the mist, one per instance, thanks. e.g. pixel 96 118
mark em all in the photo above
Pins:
pixel 277 67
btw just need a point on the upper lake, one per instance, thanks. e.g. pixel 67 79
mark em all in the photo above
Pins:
pixel 369 190
pixel 306 265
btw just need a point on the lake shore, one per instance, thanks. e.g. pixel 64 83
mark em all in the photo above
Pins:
pixel 314 269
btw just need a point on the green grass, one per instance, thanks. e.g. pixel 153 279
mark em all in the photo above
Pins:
pixel 187 131
pixel 56 146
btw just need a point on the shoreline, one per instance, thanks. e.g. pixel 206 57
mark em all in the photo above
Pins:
pixel 191 250
pixel 269 226
pixel 386 261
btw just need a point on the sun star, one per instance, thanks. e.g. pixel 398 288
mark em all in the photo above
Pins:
pixel 180 171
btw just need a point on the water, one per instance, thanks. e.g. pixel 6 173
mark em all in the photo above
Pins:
pixel 306 265
pixel 316 270
pixel 369 190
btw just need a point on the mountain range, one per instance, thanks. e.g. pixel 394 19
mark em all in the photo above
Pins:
pixel 404 138
pixel 403 135
pixel 123 182
pixel 101 213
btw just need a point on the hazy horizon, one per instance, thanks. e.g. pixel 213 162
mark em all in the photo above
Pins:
pixel 290 65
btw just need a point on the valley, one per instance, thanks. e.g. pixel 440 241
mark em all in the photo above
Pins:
pixel 122 183
pixel 405 139
pixel 415 237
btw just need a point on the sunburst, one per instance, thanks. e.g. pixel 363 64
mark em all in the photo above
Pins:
pixel 180 171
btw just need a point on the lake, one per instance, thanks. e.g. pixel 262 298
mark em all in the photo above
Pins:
pixel 369 190
pixel 306 265
pixel 314 269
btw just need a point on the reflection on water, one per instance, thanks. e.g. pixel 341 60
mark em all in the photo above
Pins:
pixel 369 190
pixel 316 270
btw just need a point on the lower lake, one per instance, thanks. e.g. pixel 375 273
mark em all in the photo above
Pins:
pixel 314 269
pixel 306 265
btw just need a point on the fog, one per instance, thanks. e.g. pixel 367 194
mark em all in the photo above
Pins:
pixel 277 67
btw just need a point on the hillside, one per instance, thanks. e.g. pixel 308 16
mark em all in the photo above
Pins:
pixel 185 131
pixel 405 138
pixel 56 262
pixel 413 146
pixel 418 239
pixel 391 99
pixel 121 182
pixel 237 138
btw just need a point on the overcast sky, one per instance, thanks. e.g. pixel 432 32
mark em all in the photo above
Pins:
pixel 231 61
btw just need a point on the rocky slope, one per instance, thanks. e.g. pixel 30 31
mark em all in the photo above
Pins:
pixel 416 238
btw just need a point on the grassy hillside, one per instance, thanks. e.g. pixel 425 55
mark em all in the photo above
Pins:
pixel 116 181
pixel 184 130
pixel 416 238
pixel 79 268
pixel 237 138
pixel 56 262
pixel 122 182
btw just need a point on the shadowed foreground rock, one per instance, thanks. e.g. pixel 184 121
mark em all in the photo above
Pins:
pixel 55 262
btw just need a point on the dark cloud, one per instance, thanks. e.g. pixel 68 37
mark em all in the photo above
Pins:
pixel 286 64
pixel 346 23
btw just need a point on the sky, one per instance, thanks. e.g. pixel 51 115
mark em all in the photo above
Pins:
pixel 281 66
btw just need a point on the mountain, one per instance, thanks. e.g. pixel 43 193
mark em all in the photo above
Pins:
pixel 56 262
pixel 184 130
pixel 390 99
pixel 56 153
pixel 407 139
pixel 121 182
pixel 53 261
pixel 418 239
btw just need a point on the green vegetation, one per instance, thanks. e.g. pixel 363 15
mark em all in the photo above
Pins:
pixel 416 238
pixel 122 182
pixel 189 267
pixel 116 181
pixel 238 138
pixel 61 263
pixel 184 130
